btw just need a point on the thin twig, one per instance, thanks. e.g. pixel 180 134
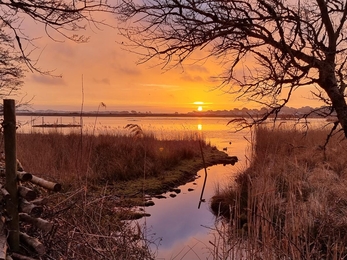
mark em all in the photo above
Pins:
pixel 204 164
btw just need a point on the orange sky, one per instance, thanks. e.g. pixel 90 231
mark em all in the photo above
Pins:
pixel 110 75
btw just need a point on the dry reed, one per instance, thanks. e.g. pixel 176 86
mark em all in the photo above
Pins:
pixel 72 157
pixel 291 202
pixel 86 223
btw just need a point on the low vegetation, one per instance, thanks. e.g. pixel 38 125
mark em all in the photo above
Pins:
pixel 291 202
pixel 102 177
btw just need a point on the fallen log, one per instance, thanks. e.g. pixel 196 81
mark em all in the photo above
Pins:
pixel 3 240
pixel 38 222
pixel 29 208
pixel 33 242
pixel 5 193
pixel 27 193
pixel 46 184
pixel 21 257
pixel 24 176
pixel 40 201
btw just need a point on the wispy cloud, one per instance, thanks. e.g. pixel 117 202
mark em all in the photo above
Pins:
pixel 191 78
pixel 129 71
pixel 199 68
pixel 105 81
pixel 47 80
pixel 163 86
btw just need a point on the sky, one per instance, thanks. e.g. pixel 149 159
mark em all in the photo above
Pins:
pixel 102 71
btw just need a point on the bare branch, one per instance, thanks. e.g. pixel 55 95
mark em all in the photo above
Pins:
pixel 285 45
pixel 64 19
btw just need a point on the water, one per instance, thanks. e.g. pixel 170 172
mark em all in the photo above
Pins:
pixel 179 229
pixel 214 130
pixel 185 229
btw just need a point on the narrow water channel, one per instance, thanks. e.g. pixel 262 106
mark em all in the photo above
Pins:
pixel 183 230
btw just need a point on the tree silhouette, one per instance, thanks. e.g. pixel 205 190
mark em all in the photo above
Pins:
pixel 270 47
pixel 63 18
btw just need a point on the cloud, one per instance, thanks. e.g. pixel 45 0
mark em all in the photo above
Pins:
pixel 191 78
pixel 197 68
pixel 129 71
pixel 47 80
pixel 105 81
pixel 195 73
pixel 163 86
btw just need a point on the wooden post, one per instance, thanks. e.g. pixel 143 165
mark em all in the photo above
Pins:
pixel 11 184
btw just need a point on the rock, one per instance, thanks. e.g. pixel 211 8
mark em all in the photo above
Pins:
pixel 172 195
pixel 190 189
pixel 149 203
pixel 176 190
pixel 159 197
pixel 228 160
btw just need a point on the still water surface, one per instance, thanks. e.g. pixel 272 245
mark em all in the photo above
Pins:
pixel 214 130
pixel 179 229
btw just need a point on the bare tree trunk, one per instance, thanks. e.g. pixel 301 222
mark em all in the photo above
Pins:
pixel 340 107
pixel 329 84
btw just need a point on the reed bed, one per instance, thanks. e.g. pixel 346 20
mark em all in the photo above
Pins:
pixel 290 203
pixel 72 158
pixel 87 222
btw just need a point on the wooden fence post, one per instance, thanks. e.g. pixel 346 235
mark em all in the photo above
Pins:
pixel 11 183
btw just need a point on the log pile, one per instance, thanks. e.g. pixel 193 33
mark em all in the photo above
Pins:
pixel 16 201
pixel 30 209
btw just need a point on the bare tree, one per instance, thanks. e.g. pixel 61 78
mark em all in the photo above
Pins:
pixel 62 19
pixel 11 71
pixel 291 43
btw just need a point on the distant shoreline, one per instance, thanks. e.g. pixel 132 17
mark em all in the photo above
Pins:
pixel 91 114
pixel 191 114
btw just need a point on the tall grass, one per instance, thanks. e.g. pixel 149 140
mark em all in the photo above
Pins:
pixel 88 225
pixel 291 202
pixel 67 159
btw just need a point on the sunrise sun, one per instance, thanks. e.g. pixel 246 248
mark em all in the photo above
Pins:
pixel 199 103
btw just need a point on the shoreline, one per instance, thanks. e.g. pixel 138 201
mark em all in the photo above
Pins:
pixel 131 194
pixel 194 114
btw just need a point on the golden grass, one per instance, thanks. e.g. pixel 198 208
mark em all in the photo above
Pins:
pixel 99 173
pixel 74 158
pixel 291 203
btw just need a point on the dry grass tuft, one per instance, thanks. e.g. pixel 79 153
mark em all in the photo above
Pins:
pixel 73 158
pixel 88 228
pixel 291 203
pixel 88 225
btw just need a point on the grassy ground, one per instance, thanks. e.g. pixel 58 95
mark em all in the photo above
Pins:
pixel 291 203
pixel 98 175
pixel 127 164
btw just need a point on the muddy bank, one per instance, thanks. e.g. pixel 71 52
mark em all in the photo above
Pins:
pixel 138 193
pixel 185 172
